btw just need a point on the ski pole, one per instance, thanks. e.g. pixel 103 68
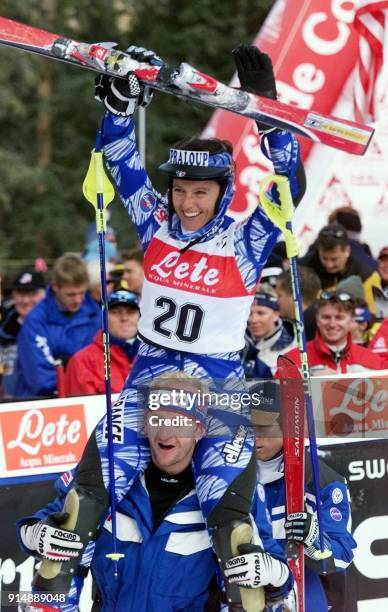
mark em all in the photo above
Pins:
pixel 281 215
pixel 99 191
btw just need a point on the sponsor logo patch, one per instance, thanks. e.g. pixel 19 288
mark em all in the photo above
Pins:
pixel 147 202
pixel 335 514
pixel 189 158
pixel 232 450
pixel 337 496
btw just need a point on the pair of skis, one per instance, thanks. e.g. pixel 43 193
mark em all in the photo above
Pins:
pixel 187 82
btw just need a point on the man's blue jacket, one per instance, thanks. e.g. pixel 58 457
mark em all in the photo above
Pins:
pixel 166 569
pixel 47 334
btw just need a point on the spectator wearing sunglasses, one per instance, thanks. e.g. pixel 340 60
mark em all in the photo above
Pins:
pixel 332 351
pixel 332 260
pixel 85 370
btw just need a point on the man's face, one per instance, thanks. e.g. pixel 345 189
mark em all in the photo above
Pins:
pixel 172 446
pixel 195 202
pixel 262 321
pixel 269 441
pixel 334 260
pixel 70 296
pixel 133 275
pixel 383 269
pixel 26 300
pixel 334 323
pixel 286 303
pixel 123 321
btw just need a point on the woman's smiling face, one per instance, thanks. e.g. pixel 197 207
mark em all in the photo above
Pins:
pixel 195 202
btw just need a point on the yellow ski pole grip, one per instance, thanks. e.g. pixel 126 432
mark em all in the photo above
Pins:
pixel 280 213
pixel 253 600
pixel 95 185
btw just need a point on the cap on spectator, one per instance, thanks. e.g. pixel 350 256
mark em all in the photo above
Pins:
pixel 29 281
pixel 128 298
pixel 383 253
pixel 362 314
pixel 265 402
pixel 352 285
pixel 269 275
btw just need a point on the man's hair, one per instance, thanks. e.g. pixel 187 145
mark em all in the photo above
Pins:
pixel 179 380
pixel 213 145
pixel 70 269
pixel 332 236
pixel 309 281
pixel 135 254
pixel 347 306
pixel 348 217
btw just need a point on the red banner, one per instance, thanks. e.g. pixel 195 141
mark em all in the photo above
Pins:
pixel 313 48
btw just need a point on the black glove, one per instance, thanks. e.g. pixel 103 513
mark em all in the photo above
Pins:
pixel 302 527
pixel 123 97
pixel 254 69
pixel 118 96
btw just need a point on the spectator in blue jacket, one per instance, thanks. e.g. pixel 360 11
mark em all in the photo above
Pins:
pixel 27 291
pixel 63 323
pixel 168 563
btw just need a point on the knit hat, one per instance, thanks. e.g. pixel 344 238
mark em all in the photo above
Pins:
pixel 352 285
pixel 267 299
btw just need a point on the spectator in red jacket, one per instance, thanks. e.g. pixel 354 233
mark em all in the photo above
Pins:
pixel 379 343
pixel 332 350
pixel 85 370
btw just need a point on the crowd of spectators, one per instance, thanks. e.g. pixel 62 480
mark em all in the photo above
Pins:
pixel 51 322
